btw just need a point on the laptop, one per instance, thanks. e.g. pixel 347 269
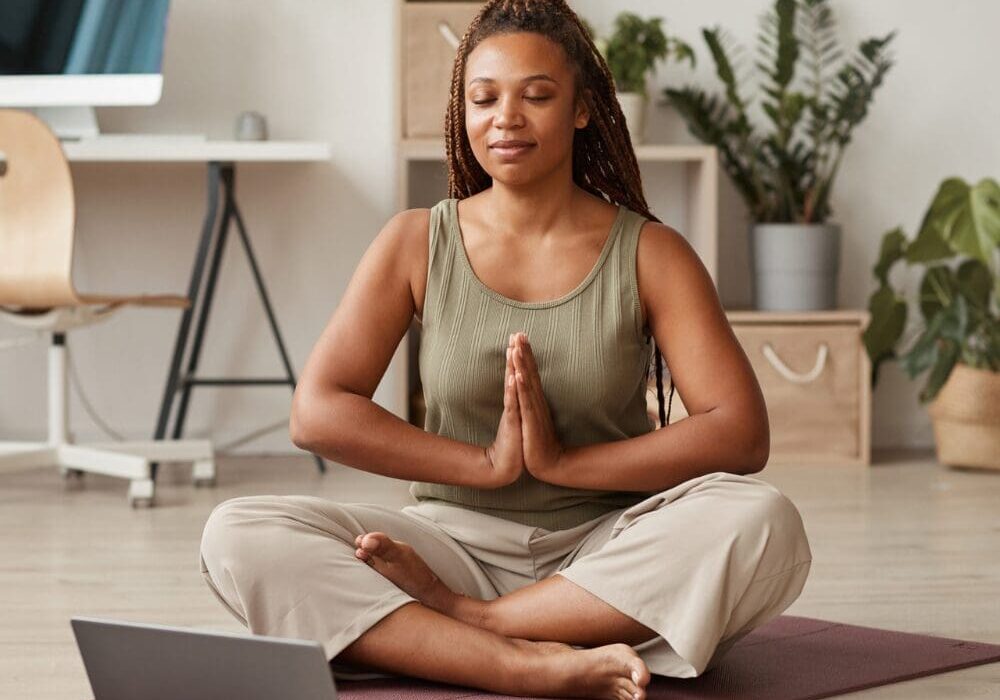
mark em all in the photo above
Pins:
pixel 141 661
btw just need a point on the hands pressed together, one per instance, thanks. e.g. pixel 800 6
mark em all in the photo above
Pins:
pixel 526 437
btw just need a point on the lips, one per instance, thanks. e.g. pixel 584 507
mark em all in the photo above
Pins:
pixel 509 143
pixel 511 148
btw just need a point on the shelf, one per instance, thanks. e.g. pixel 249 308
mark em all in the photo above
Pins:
pixel 799 317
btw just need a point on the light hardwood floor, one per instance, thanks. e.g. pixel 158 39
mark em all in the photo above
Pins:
pixel 905 544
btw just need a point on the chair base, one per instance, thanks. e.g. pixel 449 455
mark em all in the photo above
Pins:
pixel 125 460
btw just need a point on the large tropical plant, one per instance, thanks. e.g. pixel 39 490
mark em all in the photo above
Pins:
pixel 959 294
pixel 786 175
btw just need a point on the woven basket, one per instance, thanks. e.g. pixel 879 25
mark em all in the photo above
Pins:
pixel 966 416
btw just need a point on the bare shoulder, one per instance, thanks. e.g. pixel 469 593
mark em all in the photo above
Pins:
pixel 669 272
pixel 410 232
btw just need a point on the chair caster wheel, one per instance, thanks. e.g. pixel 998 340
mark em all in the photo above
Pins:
pixel 140 502
pixel 207 482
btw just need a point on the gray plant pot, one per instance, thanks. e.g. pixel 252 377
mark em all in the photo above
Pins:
pixel 794 266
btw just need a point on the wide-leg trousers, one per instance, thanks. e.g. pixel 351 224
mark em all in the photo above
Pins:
pixel 702 564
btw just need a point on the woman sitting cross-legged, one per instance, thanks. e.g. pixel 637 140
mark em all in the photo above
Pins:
pixel 559 544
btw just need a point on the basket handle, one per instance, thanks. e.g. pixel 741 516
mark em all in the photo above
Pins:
pixel 449 34
pixel 791 375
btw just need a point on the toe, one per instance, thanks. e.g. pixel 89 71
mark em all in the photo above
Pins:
pixel 625 693
pixel 639 673
pixel 631 690
pixel 375 542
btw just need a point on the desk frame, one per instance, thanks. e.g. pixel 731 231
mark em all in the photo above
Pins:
pixel 221 174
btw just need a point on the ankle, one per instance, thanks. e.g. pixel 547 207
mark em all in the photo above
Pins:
pixel 471 611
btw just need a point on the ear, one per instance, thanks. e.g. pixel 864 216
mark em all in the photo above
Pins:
pixel 582 117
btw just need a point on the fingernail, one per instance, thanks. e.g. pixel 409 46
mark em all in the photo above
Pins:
pixel 635 679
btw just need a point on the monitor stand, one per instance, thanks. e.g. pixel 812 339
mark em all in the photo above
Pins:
pixel 69 123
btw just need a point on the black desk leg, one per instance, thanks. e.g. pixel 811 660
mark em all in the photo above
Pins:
pixel 223 173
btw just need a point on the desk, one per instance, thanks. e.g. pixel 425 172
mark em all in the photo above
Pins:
pixel 221 158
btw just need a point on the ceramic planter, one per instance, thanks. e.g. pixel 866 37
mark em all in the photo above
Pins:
pixel 633 106
pixel 966 416
pixel 794 266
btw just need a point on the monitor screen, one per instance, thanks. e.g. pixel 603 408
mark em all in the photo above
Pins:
pixel 81 37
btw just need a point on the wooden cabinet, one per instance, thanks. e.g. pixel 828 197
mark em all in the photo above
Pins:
pixel 431 32
pixel 815 376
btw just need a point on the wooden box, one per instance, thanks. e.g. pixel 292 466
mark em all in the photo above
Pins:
pixel 430 32
pixel 815 375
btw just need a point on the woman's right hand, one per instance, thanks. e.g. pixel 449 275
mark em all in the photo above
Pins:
pixel 505 457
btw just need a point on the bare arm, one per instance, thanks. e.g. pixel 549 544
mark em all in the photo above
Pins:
pixel 333 414
pixel 727 426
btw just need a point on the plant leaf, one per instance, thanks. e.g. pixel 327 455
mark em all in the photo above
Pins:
pixel 888 318
pixel 937 289
pixel 893 248
pixel 974 283
pixel 966 219
pixel 946 360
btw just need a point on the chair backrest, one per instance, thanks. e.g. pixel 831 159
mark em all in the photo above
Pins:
pixel 36 215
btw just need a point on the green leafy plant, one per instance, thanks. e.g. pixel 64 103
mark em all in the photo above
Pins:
pixel 634 48
pixel 959 294
pixel 786 175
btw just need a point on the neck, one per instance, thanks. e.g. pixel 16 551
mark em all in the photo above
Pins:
pixel 537 207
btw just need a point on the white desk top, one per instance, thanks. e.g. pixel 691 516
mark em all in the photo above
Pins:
pixel 141 148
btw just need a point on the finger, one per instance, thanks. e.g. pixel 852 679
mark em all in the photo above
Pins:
pixel 524 394
pixel 508 386
pixel 510 390
pixel 529 388
pixel 521 368
pixel 529 355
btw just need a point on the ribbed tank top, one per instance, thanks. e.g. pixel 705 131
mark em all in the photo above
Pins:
pixel 592 356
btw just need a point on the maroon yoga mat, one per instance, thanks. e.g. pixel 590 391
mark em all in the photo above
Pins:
pixel 788 658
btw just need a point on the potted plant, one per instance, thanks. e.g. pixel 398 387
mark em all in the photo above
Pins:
pixel 959 301
pixel 631 53
pixel 786 176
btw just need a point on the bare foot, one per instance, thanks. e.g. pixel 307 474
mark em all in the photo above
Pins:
pixel 401 564
pixel 610 672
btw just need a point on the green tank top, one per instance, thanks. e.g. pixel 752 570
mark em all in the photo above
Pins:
pixel 592 356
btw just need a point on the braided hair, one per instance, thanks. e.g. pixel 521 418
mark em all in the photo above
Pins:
pixel 604 161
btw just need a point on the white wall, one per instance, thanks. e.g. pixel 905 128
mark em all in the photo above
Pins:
pixel 325 70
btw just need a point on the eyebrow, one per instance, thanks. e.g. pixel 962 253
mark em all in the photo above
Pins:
pixel 536 76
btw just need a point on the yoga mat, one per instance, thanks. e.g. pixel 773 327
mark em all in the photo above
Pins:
pixel 788 658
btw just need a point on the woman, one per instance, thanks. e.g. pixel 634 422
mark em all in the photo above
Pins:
pixel 559 546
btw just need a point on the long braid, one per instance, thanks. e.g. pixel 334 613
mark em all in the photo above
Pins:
pixel 604 162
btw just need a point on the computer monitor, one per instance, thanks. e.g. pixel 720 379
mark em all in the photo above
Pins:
pixel 61 58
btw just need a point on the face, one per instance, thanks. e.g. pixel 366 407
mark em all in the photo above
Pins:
pixel 519 87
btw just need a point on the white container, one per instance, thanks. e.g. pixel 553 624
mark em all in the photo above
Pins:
pixel 795 266
pixel 633 106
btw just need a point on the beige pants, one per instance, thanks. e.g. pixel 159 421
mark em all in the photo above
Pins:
pixel 702 564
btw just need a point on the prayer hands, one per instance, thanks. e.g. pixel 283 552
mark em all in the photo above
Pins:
pixel 505 456
pixel 539 442
pixel 526 437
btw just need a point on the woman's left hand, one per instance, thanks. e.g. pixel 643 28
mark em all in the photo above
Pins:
pixel 541 447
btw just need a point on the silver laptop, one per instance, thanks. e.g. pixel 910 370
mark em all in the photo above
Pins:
pixel 138 661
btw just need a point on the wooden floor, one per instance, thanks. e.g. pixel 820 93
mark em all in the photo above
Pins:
pixel 906 545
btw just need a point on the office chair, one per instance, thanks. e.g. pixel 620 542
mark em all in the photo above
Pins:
pixel 36 292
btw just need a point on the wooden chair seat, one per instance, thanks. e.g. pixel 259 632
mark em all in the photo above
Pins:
pixel 37 223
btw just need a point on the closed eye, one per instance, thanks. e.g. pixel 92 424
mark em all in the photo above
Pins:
pixel 533 99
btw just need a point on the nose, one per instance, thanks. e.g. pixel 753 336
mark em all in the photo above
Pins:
pixel 508 114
